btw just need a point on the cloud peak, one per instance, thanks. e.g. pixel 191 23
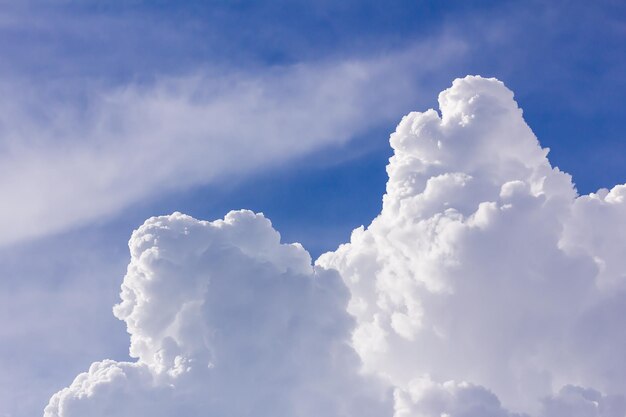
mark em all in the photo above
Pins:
pixel 479 267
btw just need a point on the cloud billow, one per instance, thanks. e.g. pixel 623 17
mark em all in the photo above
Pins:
pixel 486 287
pixel 225 320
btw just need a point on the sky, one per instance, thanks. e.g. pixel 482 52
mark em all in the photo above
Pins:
pixel 114 112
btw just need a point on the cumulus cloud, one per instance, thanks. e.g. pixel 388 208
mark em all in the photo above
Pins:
pixel 69 157
pixel 225 320
pixel 486 287
pixel 575 401
pixel 425 398
pixel 484 267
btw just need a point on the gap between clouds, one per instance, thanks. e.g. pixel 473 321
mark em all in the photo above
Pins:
pixel 485 288
pixel 68 159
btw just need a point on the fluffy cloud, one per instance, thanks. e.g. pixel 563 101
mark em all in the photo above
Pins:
pixel 485 267
pixel 225 320
pixel 425 398
pixel 486 287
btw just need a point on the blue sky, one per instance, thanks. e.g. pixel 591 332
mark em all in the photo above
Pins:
pixel 73 73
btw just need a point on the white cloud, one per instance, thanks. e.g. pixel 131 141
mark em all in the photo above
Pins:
pixel 68 158
pixel 572 401
pixel 425 398
pixel 485 288
pixel 225 320
pixel 484 266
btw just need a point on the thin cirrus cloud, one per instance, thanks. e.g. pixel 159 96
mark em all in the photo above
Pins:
pixel 485 287
pixel 66 160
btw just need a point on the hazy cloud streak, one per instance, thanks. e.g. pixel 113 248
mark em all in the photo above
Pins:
pixel 64 162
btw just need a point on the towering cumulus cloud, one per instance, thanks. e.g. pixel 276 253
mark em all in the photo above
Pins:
pixel 485 281
pixel 486 287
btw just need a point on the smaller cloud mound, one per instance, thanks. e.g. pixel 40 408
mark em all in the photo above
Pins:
pixel 225 320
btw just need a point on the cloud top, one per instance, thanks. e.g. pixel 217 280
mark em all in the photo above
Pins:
pixel 484 267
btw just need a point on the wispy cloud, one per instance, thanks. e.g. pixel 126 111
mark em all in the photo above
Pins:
pixel 66 158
